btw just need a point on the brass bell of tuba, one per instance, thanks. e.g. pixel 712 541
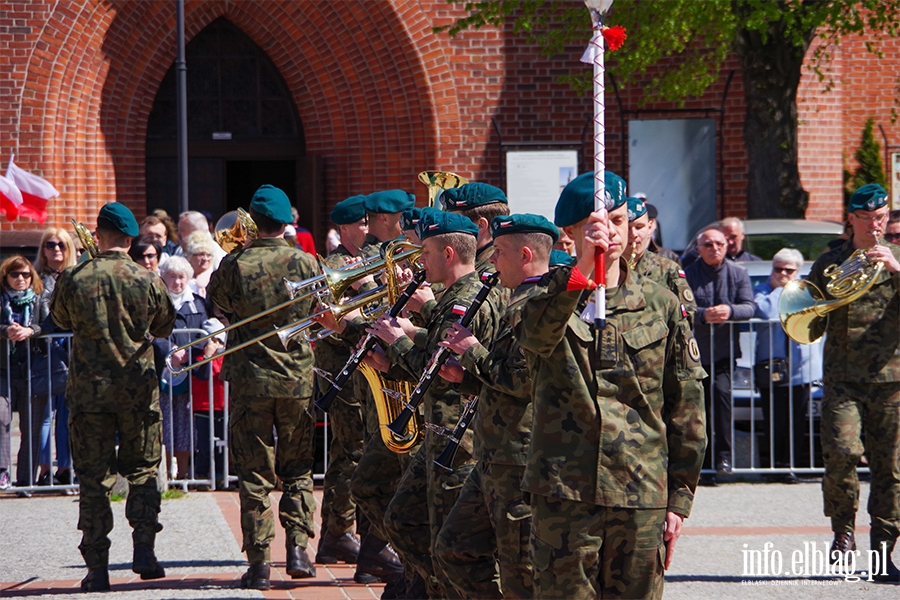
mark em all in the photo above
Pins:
pixel 87 240
pixel 438 181
pixel 803 309
pixel 235 229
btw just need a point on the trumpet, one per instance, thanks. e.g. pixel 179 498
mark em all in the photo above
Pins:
pixel 233 235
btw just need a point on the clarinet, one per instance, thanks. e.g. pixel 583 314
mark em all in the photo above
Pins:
pixel 398 425
pixel 368 343
pixel 445 460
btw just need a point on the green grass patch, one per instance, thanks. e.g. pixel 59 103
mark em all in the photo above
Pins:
pixel 172 494
pixel 116 497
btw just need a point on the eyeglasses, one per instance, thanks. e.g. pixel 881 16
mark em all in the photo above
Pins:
pixel 713 244
pixel 785 270
pixel 150 256
pixel 202 255
pixel 891 237
pixel 17 274
pixel 54 245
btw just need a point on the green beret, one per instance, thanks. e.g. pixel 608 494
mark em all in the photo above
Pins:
pixel 869 197
pixel 436 222
pixel 349 211
pixel 576 202
pixel 410 218
pixel 636 209
pixel 561 258
pixel 471 195
pixel 269 201
pixel 523 223
pixel 116 215
pixel 389 201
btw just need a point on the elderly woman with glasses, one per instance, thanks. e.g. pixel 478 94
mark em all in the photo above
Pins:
pixel 784 371
pixel 199 250
pixel 23 307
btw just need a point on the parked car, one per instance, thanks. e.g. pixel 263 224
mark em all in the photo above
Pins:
pixel 765 237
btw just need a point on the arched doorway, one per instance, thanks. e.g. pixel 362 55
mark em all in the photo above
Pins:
pixel 243 131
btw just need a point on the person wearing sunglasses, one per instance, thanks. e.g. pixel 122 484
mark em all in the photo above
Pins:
pixel 146 251
pixel 892 229
pixel 23 307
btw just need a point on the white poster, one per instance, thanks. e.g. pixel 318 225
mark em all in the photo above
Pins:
pixel 535 178
pixel 895 180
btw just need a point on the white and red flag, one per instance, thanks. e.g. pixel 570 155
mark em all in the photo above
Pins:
pixel 36 191
pixel 10 198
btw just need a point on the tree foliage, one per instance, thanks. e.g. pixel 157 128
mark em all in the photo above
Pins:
pixel 870 167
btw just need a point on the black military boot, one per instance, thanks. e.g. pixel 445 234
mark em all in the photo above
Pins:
pixel 377 559
pixel 298 564
pixel 333 549
pixel 256 577
pixel 888 573
pixel 144 563
pixel 843 543
pixel 96 580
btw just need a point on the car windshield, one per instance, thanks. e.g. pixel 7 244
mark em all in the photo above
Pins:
pixel 765 245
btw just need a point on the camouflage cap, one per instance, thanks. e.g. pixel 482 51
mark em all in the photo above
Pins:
pixel 561 258
pixel 269 201
pixel 869 197
pixel 523 223
pixel 410 218
pixel 436 222
pixel 471 195
pixel 349 211
pixel 389 202
pixel 576 202
pixel 116 215
pixel 636 209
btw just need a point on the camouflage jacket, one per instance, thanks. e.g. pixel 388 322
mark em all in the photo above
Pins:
pixel 113 306
pixel 332 352
pixel 669 275
pixel 863 344
pixel 502 424
pixel 442 401
pixel 621 422
pixel 246 283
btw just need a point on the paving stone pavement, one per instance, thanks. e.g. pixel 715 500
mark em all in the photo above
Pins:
pixel 200 550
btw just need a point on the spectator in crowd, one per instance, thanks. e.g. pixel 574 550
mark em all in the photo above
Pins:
pixel 23 308
pixel 892 229
pixel 157 230
pixel 200 398
pixel 303 237
pixel 200 250
pixel 190 313
pixel 290 235
pixel 783 379
pixel 192 221
pixel 332 241
pixel 171 228
pixel 723 293
pixel 147 251
pixel 565 243
pixel 733 229
pixel 55 253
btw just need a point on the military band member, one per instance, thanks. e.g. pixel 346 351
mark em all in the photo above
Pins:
pixel 861 407
pixel 271 390
pixel 490 524
pixel 338 542
pixel 113 306
pixel 480 203
pixel 618 435
pixel 425 495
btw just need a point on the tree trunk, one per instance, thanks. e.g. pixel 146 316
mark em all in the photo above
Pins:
pixel 771 70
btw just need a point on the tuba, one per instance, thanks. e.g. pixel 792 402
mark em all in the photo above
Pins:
pixel 803 309
pixel 438 181
pixel 87 240
pixel 235 230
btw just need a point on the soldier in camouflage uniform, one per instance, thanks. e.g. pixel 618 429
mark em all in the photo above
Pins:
pixel 425 495
pixel 348 430
pixel 490 524
pixel 480 203
pixel 271 389
pixel 649 264
pixel 618 436
pixel 861 407
pixel 113 306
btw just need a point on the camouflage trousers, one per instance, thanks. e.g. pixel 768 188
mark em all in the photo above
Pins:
pixel 859 418
pixel 488 528
pixel 425 496
pixel 93 438
pixel 585 551
pixel 345 451
pixel 273 437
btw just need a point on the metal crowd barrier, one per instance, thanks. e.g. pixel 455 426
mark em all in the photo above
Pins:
pixel 185 479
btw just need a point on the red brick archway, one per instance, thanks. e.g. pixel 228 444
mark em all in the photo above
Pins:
pixel 368 79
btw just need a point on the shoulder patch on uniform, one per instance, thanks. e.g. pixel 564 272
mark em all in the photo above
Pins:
pixel 683 311
pixel 688 294
pixel 681 274
pixel 694 350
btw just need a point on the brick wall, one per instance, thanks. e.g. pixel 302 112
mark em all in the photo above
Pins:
pixel 380 96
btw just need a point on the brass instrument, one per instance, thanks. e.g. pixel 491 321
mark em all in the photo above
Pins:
pixel 338 310
pixel 389 397
pixel 438 181
pixel 632 260
pixel 803 309
pixel 235 230
pixel 86 239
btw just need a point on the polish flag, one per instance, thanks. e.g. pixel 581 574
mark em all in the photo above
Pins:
pixel 36 191
pixel 10 198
